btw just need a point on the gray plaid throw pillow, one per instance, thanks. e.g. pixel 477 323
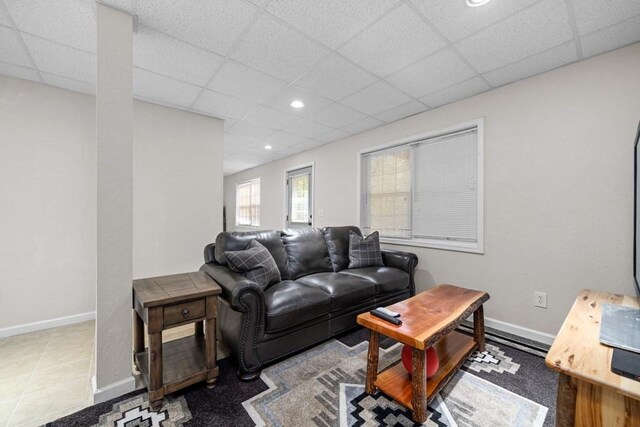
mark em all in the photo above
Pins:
pixel 364 251
pixel 257 264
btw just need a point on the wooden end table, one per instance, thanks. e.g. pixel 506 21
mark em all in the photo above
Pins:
pixel 428 319
pixel 589 394
pixel 166 302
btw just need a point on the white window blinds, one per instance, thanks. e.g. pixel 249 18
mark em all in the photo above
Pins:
pixel 248 203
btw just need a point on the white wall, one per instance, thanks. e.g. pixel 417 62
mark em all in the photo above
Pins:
pixel 48 197
pixel 558 188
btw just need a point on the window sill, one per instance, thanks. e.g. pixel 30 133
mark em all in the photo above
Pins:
pixel 474 248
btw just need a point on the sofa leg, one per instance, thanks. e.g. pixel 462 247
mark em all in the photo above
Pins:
pixel 249 376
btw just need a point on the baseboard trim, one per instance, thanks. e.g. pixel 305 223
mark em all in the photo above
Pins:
pixel 520 331
pixel 113 390
pixel 46 324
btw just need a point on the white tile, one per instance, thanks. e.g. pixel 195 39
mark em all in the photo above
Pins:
pixel 593 15
pixel 333 135
pixel 527 33
pixel 69 84
pixel 332 22
pixel 611 38
pixel 268 117
pixel 433 73
pixel 548 60
pixel 288 139
pixel 455 20
pixel 213 25
pixel 3 18
pixel 125 5
pixel 278 50
pixel 376 98
pixel 222 105
pixel 239 141
pixel 154 87
pixel 162 54
pixel 62 60
pixel 282 101
pixel 248 160
pixel 228 123
pixel 401 111
pixel 392 43
pixel 70 22
pixel 456 92
pixel 335 78
pixel 18 71
pixel 259 150
pixel 245 129
pixel 336 115
pixel 362 125
pixel 243 82
pixel 307 128
pixel 11 51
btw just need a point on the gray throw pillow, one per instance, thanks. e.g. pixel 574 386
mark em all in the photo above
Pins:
pixel 256 263
pixel 364 251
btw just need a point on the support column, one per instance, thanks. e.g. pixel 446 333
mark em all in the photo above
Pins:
pixel 114 123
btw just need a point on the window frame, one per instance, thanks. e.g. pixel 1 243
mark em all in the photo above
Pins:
pixel 259 204
pixel 471 247
pixel 285 208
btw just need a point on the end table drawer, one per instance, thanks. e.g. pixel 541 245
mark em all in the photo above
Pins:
pixel 184 312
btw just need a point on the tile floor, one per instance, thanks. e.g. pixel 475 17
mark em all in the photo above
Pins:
pixel 47 374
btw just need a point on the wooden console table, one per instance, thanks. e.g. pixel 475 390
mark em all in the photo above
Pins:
pixel 589 394
pixel 429 319
pixel 166 302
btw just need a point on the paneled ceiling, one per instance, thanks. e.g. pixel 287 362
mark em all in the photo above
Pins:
pixel 356 64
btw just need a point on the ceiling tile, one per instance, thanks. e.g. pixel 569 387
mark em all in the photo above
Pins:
pixel 282 101
pixel 268 117
pixel 62 60
pixel 335 78
pixel 456 92
pixel 376 98
pixel 69 84
pixel 70 22
pixel 247 161
pixel 332 22
pixel 11 50
pixel 288 139
pixel 18 71
pixel 593 15
pixel 213 25
pixel 336 116
pixel 455 20
pixel 239 141
pixel 259 150
pixel 362 125
pixel 436 72
pixel 392 43
pixel 333 135
pixel 3 18
pixel 307 128
pixel 125 5
pixel 401 111
pixel 225 106
pixel 162 54
pixel 159 88
pixel 548 60
pixel 228 123
pixel 245 129
pixel 241 81
pixel 527 33
pixel 610 38
pixel 278 50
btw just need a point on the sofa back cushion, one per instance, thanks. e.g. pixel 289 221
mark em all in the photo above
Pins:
pixel 306 250
pixel 338 244
pixel 240 240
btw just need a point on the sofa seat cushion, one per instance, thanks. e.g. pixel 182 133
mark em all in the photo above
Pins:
pixel 345 290
pixel 386 279
pixel 290 303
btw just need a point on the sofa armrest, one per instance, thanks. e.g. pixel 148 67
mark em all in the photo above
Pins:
pixel 209 253
pixel 242 294
pixel 405 261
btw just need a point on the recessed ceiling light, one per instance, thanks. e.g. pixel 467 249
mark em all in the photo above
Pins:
pixel 297 103
pixel 476 3
pixel 268 147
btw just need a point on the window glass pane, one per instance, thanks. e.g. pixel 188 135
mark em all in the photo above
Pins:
pixel 248 203
pixel 300 198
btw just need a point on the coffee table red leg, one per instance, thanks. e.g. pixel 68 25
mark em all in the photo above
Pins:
pixel 419 385
pixel 372 363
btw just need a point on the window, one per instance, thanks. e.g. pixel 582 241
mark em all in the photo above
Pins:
pixel 426 191
pixel 248 203
pixel 299 197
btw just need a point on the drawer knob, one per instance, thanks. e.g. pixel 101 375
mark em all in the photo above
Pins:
pixel 185 312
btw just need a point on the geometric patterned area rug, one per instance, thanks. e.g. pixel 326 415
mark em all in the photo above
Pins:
pixel 324 387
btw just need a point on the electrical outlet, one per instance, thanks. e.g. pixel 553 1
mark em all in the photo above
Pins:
pixel 540 299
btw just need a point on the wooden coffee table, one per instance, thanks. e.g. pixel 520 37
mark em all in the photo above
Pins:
pixel 429 319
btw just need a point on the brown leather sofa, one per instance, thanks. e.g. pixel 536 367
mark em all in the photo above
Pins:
pixel 317 298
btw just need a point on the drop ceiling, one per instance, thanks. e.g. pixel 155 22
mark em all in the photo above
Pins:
pixel 356 64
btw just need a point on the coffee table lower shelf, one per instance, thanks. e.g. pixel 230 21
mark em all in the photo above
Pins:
pixel 452 350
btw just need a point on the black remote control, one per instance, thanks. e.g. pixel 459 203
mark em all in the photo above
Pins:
pixel 386 317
